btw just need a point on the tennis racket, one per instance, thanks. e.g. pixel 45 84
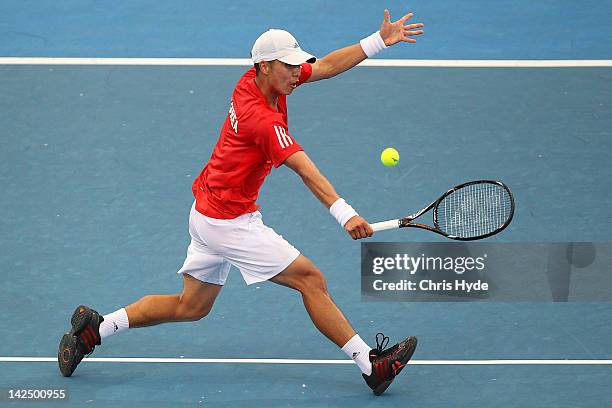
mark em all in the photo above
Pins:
pixel 469 211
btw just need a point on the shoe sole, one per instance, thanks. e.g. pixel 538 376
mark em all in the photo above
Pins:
pixel 64 354
pixel 79 320
pixel 382 388
pixel 384 385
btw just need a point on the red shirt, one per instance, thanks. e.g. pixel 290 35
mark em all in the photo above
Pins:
pixel 253 138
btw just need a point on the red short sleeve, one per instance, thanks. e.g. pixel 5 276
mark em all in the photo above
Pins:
pixel 305 73
pixel 276 143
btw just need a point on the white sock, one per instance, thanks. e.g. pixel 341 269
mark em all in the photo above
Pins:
pixel 114 323
pixel 359 351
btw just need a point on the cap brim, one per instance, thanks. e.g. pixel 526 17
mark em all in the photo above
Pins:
pixel 298 57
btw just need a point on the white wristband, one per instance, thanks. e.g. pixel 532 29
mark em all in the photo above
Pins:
pixel 373 44
pixel 342 211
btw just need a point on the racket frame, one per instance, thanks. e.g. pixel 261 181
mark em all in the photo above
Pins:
pixel 408 221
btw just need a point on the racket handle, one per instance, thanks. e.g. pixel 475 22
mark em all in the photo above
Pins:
pixel 385 225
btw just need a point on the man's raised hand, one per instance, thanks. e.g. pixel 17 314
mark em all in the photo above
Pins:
pixel 395 32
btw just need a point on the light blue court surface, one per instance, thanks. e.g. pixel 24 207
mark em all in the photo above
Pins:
pixel 97 162
pixel 473 29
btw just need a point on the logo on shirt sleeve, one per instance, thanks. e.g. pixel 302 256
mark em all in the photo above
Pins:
pixel 283 138
pixel 233 117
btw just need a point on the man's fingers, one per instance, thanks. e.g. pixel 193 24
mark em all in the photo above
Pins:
pixel 415 32
pixel 387 16
pixel 359 232
pixel 362 232
pixel 406 17
pixel 413 26
pixel 366 231
pixel 359 228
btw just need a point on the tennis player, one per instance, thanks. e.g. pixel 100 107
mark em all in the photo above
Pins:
pixel 226 227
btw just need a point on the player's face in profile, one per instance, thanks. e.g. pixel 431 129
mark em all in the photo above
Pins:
pixel 284 77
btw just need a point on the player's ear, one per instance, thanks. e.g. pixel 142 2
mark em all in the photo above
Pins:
pixel 264 67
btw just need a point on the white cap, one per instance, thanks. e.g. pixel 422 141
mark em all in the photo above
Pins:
pixel 279 45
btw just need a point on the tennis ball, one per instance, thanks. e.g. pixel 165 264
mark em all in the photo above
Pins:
pixel 389 157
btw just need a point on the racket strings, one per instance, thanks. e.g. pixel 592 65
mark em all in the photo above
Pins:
pixel 474 210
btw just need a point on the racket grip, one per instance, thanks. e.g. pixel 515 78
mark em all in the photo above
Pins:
pixel 385 225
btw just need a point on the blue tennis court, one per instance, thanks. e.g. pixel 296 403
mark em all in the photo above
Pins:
pixel 97 163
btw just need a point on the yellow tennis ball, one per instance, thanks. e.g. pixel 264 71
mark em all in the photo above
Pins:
pixel 389 157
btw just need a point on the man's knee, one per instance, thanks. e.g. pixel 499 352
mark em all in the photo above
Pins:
pixel 197 299
pixel 312 280
pixel 193 310
pixel 303 276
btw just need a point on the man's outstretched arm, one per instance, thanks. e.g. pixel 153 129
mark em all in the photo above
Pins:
pixel 355 226
pixel 346 58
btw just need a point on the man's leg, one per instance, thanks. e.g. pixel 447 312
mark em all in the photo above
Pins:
pixel 194 303
pixel 303 276
pixel 88 327
pixel 379 366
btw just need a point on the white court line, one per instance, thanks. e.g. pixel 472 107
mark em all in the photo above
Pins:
pixel 367 63
pixel 297 361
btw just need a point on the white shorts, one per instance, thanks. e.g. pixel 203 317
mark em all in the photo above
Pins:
pixel 245 242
